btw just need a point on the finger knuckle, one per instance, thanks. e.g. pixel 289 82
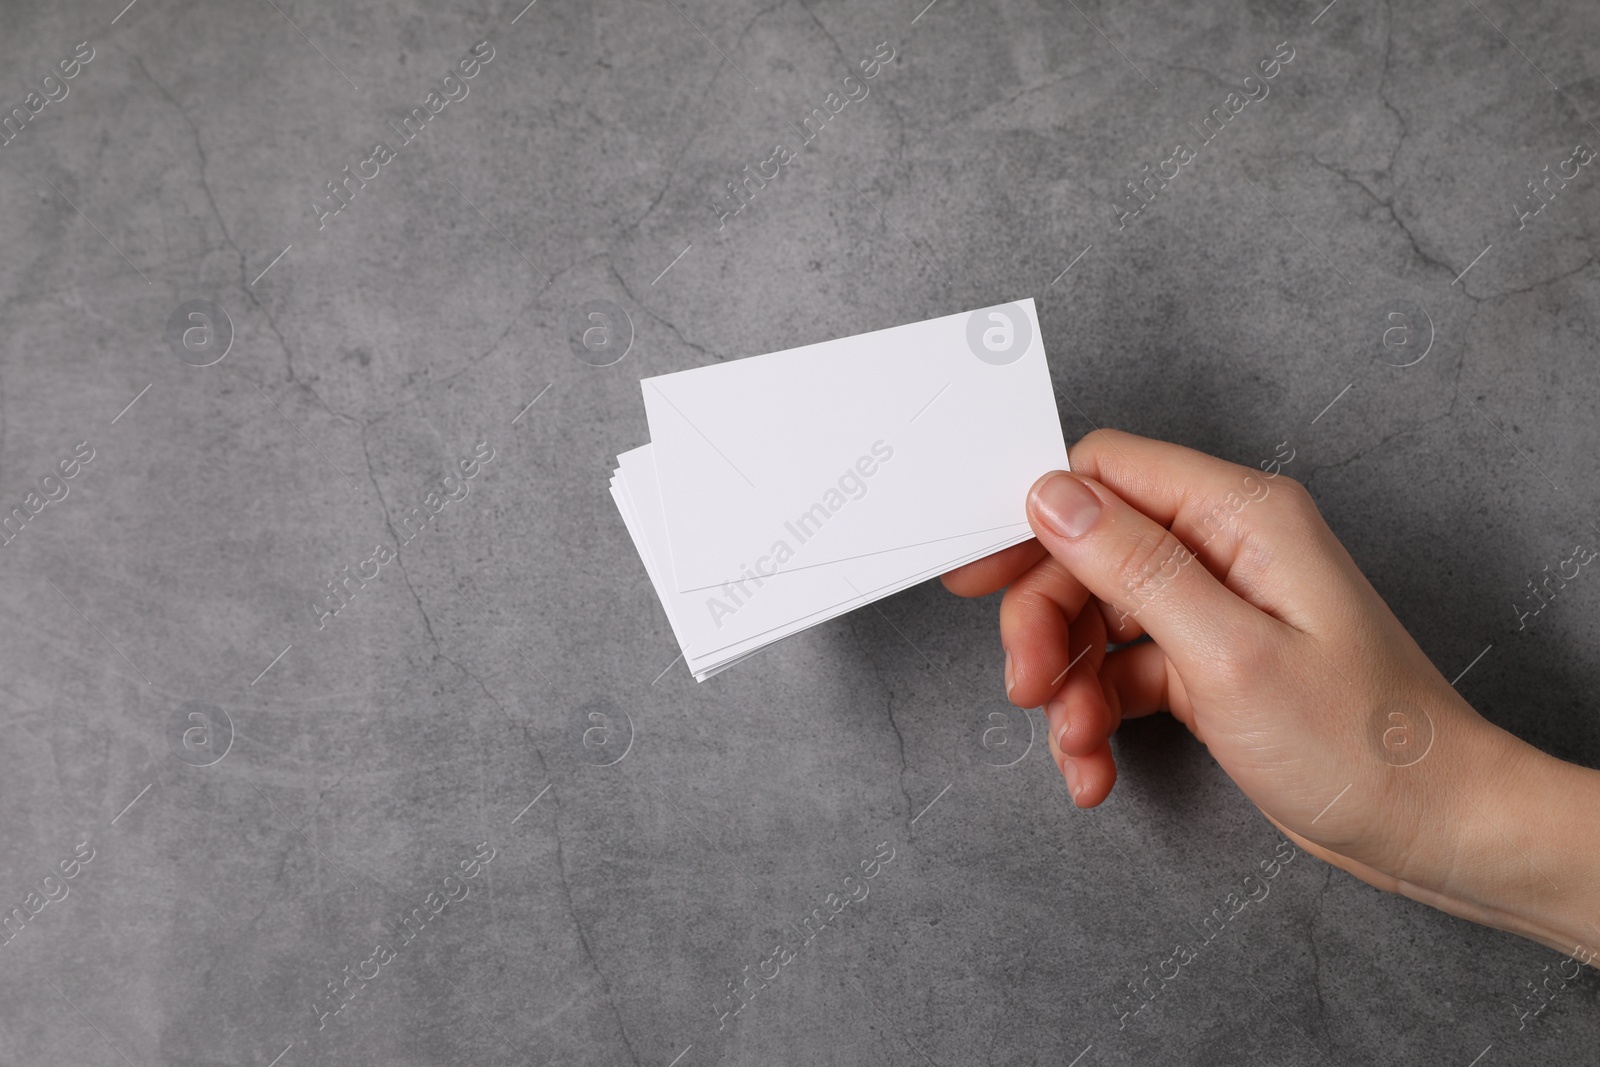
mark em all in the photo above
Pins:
pixel 1243 664
pixel 1294 499
pixel 1148 561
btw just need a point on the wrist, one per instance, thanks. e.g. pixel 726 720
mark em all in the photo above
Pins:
pixel 1516 840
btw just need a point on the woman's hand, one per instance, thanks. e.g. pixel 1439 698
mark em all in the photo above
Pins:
pixel 1275 651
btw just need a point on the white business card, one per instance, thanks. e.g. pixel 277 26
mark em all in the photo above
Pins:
pixel 879 442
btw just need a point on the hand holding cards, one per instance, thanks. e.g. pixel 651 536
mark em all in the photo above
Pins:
pixel 780 491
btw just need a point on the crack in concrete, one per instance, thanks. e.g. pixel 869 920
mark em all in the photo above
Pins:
pixel 487 352
pixel 700 124
pixel 405 575
pixel 899 737
pixel 227 237
pixel 900 741
pixel 812 15
pixel 1316 953
pixel 583 937
pixel 900 120
pixel 668 324
pixel 672 165
pixel 1383 78
pixel 1585 265
pixel 1306 481
pixel 1394 215
pixel 1461 363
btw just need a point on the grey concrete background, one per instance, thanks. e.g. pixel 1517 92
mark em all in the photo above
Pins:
pixel 1245 307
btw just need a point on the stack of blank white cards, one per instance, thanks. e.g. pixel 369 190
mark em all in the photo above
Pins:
pixel 780 491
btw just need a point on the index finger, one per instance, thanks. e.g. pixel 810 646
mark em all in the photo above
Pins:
pixel 1259 533
pixel 993 573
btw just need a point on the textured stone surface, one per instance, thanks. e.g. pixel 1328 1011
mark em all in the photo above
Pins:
pixel 368 762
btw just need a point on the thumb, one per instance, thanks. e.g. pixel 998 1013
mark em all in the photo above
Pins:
pixel 1129 561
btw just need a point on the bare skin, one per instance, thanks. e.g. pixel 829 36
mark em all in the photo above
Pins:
pixel 1269 644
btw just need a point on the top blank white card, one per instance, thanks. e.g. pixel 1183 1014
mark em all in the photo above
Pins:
pixel 864 444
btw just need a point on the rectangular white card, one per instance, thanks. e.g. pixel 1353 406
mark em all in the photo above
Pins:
pixel 903 437
pixel 712 624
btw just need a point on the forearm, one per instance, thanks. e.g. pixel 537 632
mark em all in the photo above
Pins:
pixel 1524 852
